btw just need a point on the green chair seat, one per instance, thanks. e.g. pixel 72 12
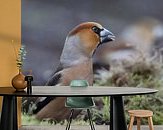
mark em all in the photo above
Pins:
pixel 79 102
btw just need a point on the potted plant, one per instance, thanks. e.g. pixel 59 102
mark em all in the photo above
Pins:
pixel 18 81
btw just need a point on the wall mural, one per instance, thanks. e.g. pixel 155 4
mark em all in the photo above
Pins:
pixel 137 26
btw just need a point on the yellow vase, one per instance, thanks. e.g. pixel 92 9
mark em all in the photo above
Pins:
pixel 18 82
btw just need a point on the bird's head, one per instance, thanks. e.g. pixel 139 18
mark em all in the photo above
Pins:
pixel 91 35
pixel 82 41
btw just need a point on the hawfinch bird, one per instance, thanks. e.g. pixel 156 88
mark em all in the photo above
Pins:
pixel 143 34
pixel 110 55
pixel 75 63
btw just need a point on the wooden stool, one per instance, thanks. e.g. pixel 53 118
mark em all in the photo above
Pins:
pixel 140 114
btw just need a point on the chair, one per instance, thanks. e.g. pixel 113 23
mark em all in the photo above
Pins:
pixel 79 103
pixel 140 114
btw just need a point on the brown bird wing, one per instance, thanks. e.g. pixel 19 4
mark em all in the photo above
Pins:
pixel 54 80
pixel 56 76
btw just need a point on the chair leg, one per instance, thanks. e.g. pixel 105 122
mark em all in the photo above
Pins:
pixel 90 120
pixel 138 123
pixel 131 123
pixel 70 119
pixel 150 122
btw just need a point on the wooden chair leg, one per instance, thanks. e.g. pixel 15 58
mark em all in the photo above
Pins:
pixel 150 122
pixel 131 123
pixel 138 123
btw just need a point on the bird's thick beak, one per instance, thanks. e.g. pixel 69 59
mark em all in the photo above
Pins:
pixel 106 36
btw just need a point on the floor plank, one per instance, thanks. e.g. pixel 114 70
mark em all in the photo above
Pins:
pixel 79 127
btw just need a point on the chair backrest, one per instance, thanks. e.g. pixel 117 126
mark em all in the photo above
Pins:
pixel 79 83
pixel 79 102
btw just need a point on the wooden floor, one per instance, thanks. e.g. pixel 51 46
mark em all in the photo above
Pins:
pixel 99 127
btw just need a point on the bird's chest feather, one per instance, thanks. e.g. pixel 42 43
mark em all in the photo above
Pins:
pixel 82 71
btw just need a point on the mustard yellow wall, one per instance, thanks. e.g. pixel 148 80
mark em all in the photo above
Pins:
pixel 10 29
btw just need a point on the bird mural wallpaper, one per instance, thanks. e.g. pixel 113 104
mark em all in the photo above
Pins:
pixel 75 63
pixel 66 40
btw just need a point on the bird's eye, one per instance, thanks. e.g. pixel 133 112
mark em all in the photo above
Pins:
pixel 96 29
